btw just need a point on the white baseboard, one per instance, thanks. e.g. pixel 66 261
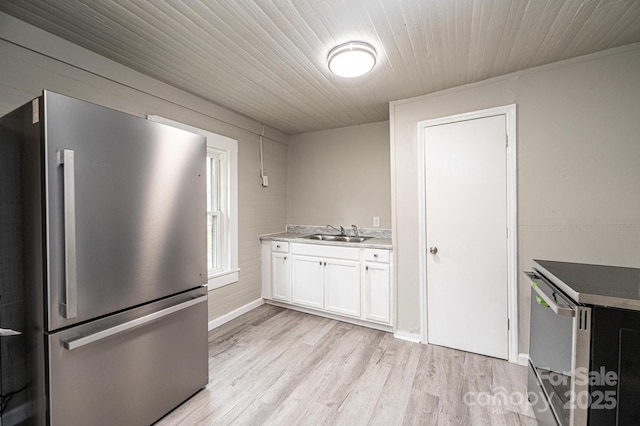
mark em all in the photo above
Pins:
pixel 235 313
pixel 410 337
pixel 356 321
pixel 523 359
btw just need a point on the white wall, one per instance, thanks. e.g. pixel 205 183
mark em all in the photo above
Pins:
pixel 340 176
pixel 32 60
pixel 578 125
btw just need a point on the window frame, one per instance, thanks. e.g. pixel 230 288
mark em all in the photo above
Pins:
pixel 227 149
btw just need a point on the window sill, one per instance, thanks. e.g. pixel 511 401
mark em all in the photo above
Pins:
pixel 222 279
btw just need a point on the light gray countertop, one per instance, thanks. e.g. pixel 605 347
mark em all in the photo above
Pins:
pixel 377 243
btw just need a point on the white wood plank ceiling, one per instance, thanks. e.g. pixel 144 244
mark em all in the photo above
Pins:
pixel 267 59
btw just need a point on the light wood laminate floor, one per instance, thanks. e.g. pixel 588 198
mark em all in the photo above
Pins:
pixel 277 366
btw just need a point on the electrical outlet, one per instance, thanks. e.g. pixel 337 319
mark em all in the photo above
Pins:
pixel 376 222
pixel 265 181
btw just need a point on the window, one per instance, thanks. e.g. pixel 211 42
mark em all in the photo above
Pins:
pixel 222 204
pixel 216 211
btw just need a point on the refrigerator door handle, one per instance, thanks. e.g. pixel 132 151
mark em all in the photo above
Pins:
pixel 121 328
pixel 66 159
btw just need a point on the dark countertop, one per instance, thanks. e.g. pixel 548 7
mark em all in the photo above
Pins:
pixel 612 286
pixel 378 243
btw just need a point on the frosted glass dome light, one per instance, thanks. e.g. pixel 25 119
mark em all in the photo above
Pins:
pixel 352 59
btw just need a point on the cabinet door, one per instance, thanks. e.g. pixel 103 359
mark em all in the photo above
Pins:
pixel 377 292
pixel 280 277
pixel 342 287
pixel 306 281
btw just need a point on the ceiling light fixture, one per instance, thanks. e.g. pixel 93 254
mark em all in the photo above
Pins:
pixel 352 59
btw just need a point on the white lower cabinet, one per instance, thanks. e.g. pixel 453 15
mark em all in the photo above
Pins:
pixel 329 284
pixel 307 279
pixel 342 287
pixel 348 281
pixel 377 292
pixel 280 277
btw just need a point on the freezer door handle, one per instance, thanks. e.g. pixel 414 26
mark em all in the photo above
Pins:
pixel 66 159
pixel 121 328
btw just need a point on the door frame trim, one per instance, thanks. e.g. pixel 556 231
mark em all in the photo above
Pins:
pixel 509 111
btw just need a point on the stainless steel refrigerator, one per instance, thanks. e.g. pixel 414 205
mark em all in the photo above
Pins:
pixel 103 313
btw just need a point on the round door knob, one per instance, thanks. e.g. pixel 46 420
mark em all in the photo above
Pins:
pixel 433 250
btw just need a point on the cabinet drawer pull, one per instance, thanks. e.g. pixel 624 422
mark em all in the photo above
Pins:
pixel 375 255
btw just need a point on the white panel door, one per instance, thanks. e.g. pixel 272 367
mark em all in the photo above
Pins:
pixel 307 281
pixel 280 277
pixel 466 235
pixel 342 287
pixel 377 292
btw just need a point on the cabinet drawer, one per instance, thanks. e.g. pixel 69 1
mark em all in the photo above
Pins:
pixel 337 252
pixel 280 246
pixel 377 255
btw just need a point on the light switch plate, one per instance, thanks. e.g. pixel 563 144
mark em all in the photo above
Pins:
pixel 376 222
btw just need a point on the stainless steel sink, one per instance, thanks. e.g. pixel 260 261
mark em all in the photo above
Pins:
pixel 322 237
pixel 340 238
pixel 351 239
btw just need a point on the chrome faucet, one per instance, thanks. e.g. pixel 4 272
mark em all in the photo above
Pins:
pixel 355 231
pixel 341 230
